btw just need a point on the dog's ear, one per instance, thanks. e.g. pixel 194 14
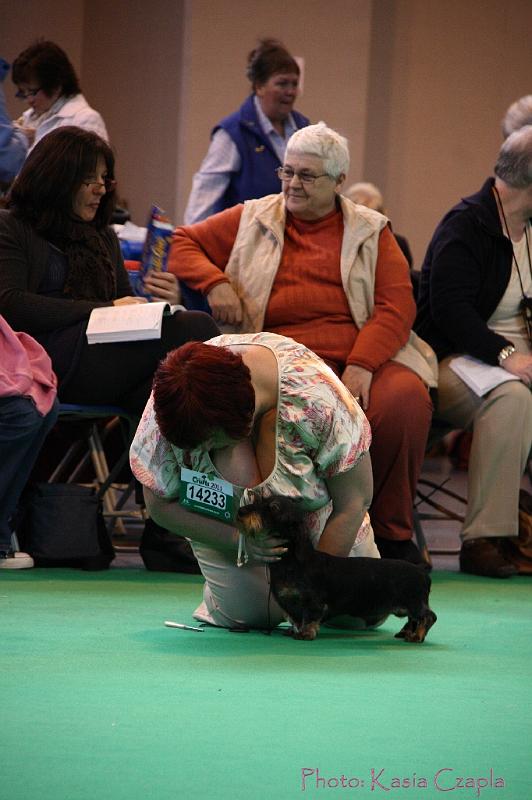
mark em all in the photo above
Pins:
pixel 286 511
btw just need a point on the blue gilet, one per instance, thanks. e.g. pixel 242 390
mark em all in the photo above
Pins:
pixel 259 161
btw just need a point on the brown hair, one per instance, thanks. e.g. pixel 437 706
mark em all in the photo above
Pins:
pixel 47 64
pixel 44 190
pixel 269 58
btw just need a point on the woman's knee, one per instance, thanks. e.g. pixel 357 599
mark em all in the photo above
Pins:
pixel 401 400
pixel 20 416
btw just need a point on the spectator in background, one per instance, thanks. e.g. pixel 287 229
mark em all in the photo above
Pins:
pixel 476 299
pixel 517 116
pixel 45 78
pixel 28 410
pixel 13 143
pixel 367 194
pixel 59 259
pixel 247 146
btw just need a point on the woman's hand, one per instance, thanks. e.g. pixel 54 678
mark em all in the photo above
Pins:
pixel 29 133
pixel 519 364
pixel 225 304
pixel 162 286
pixel 358 381
pixel 265 548
pixel 128 301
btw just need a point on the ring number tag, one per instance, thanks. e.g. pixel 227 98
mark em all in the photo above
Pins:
pixel 206 494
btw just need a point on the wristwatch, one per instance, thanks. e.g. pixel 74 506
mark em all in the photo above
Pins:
pixel 505 352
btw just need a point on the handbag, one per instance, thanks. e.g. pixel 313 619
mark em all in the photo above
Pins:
pixel 63 526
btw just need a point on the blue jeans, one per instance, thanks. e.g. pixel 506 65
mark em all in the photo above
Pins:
pixel 22 432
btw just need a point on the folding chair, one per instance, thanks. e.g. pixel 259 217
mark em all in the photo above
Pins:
pixel 97 423
pixel 427 492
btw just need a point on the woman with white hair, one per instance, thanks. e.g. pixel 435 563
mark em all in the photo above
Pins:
pixel 311 265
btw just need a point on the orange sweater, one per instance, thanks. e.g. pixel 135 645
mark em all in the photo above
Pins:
pixel 307 300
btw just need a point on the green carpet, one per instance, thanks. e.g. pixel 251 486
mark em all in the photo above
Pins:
pixel 100 700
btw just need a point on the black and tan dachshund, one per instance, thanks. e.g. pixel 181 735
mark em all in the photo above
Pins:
pixel 311 586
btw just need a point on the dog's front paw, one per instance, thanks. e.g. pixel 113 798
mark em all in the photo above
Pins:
pixel 416 630
pixel 307 632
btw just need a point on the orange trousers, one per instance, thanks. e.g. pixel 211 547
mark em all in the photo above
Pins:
pixel 400 414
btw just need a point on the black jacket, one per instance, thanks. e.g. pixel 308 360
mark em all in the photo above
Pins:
pixel 464 275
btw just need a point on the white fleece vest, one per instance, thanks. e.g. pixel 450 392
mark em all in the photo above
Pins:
pixel 256 256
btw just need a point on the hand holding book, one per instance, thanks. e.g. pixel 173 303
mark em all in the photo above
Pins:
pixel 128 322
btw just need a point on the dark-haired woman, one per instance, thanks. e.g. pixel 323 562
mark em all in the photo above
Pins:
pixel 267 416
pixel 47 81
pixel 59 259
pixel 247 146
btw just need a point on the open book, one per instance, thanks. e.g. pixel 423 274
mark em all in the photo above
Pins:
pixel 478 375
pixel 128 323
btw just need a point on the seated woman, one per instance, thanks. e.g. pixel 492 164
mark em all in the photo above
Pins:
pixel 46 79
pixel 267 416
pixel 28 409
pixel 59 259
pixel 310 264
pixel 475 300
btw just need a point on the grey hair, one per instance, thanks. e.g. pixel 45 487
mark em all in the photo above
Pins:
pixel 365 194
pixel 321 141
pixel 518 115
pixel 514 164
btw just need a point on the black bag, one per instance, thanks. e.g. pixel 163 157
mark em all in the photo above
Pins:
pixel 63 526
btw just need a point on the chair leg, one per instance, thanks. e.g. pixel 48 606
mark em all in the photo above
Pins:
pixel 420 539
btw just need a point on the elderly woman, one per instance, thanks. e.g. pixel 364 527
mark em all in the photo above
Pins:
pixel 255 415
pixel 247 146
pixel 46 79
pixel 475 300
pixel 309 264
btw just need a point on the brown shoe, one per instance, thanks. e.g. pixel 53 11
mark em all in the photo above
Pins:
pixel 485 557
pixel 517 554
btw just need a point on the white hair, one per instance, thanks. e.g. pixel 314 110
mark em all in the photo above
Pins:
pixel 518 115
pixel 365 194
pixel 321 141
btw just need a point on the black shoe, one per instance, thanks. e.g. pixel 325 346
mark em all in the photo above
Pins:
pixel 401 549
pixel 162 551
pixel 486 557
pixel 517 554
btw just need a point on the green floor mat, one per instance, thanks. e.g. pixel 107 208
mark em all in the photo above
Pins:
pixel 100 700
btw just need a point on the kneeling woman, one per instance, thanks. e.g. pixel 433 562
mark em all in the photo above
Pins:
pixel 259 414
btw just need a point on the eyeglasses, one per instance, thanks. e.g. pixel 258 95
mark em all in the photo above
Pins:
pixel 286 174
pixel 30 93
pixel 108 184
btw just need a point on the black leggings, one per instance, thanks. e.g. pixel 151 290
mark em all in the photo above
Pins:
pixel 121 373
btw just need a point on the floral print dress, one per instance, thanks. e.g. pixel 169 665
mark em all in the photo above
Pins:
pixel 321 431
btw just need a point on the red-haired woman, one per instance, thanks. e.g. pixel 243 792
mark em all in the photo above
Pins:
pixel 247 416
